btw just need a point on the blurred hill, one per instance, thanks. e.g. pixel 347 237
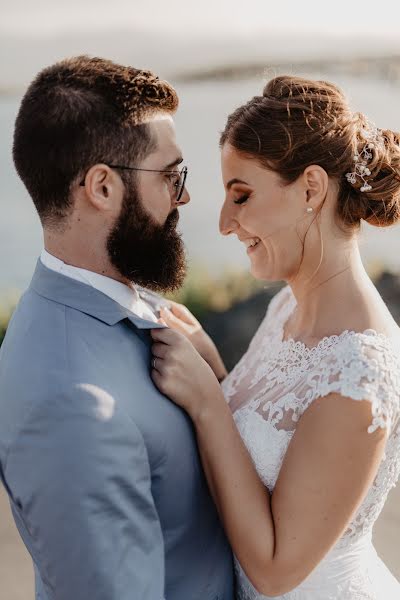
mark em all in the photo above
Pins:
pixel 188 55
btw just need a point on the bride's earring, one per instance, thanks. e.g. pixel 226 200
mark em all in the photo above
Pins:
pixel 309 210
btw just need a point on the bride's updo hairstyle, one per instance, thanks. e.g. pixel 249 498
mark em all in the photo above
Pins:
pixel 299 122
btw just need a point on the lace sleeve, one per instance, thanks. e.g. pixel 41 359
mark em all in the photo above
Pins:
pixel 362 366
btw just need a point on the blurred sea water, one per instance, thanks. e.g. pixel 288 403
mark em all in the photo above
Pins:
pixel 203 110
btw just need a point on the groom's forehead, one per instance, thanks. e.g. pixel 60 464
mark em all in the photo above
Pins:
pixel 163 130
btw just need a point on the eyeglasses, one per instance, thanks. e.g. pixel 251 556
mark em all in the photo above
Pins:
pixel 178 178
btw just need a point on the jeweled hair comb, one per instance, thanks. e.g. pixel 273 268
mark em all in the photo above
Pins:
pixel 373 138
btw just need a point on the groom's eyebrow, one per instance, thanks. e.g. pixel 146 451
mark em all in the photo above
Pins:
pixel 231 182
pixel 174 163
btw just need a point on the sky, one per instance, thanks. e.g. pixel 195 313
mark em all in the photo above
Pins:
pixel 202 17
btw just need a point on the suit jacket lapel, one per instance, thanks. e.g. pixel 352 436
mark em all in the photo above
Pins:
pixel 83 297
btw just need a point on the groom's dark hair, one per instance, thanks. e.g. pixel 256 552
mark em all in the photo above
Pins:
pixel 79 112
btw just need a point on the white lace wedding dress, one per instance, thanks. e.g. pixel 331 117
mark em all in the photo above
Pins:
pixel 269 390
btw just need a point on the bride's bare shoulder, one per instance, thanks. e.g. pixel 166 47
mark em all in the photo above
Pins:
pixel 371 313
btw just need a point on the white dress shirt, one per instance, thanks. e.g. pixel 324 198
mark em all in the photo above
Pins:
pixel 126 296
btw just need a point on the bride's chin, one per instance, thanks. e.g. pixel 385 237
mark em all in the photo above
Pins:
pixel 262 272
pixel 265 270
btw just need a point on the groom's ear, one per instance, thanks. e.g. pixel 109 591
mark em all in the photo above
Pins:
pixel 103 187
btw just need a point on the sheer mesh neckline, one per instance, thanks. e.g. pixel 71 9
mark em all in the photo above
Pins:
pixel 329 339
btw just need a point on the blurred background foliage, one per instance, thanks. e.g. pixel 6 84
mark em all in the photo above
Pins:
pixel 231 305
pixel 8 301
pixel 208 295
pixel 202 293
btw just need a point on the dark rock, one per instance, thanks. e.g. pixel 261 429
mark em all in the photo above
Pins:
pixel 388 285
pixel 233 330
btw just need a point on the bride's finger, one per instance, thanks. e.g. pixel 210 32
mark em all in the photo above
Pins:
pixel 167 336
pixel 180 311
pixel 159 350
pixel 158 380
pixel 159 363
pixel 173 321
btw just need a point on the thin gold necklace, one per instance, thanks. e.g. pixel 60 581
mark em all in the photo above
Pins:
pixel 325 281
pixel 314 288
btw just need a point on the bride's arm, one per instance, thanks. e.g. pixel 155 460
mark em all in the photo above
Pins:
pixel 328 468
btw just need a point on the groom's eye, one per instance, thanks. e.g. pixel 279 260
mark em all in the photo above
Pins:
pixel 173 177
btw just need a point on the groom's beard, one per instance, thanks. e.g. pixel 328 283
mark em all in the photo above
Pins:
pixel 145 252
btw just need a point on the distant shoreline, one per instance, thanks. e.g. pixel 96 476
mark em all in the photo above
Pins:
pixel 381 67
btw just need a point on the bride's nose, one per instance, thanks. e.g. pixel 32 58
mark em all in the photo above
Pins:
pixel 227 221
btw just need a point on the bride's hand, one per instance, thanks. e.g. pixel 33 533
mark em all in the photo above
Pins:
pixel 182 320
pixel 181 373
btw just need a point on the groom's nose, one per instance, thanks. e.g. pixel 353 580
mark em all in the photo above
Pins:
pixel 184 199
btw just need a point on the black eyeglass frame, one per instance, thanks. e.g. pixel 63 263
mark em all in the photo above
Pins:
pixel 179 185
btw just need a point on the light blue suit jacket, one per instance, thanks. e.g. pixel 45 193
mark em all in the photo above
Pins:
pixel 103 473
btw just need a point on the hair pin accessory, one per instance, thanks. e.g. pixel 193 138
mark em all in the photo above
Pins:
pixel 373 138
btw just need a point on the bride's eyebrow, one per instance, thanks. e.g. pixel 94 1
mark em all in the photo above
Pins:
pixel 231 182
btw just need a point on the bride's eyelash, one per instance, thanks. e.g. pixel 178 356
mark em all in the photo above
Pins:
pixel 242 199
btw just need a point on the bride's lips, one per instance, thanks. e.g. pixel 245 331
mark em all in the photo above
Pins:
pixel 251 244
pixel 255 242
pixel 252 249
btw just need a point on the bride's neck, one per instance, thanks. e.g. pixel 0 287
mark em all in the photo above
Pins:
pixel 326 299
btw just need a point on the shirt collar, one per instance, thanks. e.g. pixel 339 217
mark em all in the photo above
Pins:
pixel 126 296
pixel 75 294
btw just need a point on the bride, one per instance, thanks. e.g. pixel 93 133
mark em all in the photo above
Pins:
pixel 301 444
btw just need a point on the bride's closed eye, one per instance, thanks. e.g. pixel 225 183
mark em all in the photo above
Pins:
pixel 242 199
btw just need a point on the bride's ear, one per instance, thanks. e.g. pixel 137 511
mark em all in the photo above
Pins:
pixel 316 186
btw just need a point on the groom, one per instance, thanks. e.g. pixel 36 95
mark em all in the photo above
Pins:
pixel 102 471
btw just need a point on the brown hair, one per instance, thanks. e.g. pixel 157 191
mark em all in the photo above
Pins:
pixel 299 122
pixel 79 112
